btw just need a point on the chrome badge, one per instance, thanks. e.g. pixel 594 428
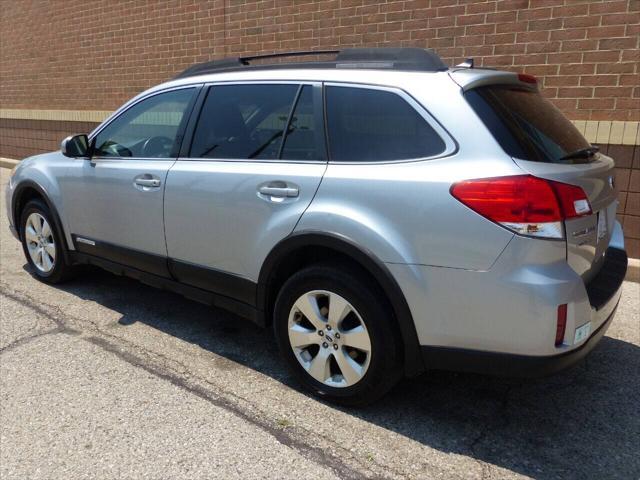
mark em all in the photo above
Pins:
pixel 612 181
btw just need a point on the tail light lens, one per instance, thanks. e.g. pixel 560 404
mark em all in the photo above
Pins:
pixel 561 324
pixel 524 204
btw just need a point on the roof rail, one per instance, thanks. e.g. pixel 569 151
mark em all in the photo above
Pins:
pixel 417 59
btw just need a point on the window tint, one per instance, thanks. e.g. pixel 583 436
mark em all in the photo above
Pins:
pixel 527 125
pixel 146 130
pixel 367 125
pixel 243 121
pixel 304 138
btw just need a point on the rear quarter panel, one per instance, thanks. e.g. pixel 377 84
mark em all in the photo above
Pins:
pixel 403 212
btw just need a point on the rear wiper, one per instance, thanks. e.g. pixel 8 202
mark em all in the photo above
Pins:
pixel 582 153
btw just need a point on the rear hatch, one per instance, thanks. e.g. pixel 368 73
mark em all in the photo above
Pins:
pixel 544 143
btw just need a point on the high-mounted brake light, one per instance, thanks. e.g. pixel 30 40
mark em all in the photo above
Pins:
pixel 525 204
pixel 527 78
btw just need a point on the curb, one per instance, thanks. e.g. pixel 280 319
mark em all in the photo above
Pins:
pixel 633 268
pixel 8 163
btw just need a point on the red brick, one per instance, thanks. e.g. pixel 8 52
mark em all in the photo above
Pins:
pixel 471 19
pixel 486 7
pixel 599 80
pixel 575 92
pixel 512 5
pixel 505 27
pixel 609 6
pixel 543 47
pixel 596 103
pixel 571 10
pixel 541 70
pixel 577 69
pixel 618 43
pixel 602 92
pixel 532 37
pixel 576 22
pixel 511 48
pixel 561 81
pixel 631 80
pixel 579 45
pixel 604 57
pixel 534 14
pixel 486 28
pixel 571 34
pixel 615 68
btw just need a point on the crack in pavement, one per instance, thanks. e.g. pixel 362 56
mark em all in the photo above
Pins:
pixel 28 338
pixel 314 454
pixel 500 413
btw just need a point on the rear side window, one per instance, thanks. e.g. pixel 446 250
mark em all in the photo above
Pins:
pixel 304 138
pixel 369 125
pixel 257 122
pixel 528 126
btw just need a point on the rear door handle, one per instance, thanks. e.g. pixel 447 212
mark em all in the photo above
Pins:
pixel 279 191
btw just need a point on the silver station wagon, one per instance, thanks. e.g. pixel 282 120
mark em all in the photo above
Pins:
pixel 382 212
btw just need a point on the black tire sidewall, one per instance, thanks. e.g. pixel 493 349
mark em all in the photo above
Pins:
pixel 60 268
pixel 383 370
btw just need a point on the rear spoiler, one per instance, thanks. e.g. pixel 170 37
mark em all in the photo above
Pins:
pixel 469 78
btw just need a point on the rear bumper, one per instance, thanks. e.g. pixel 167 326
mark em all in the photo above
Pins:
pixel 510 365
pixel 503 320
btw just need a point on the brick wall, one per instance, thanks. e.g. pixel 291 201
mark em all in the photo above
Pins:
pixel 22 138
pixel 94 55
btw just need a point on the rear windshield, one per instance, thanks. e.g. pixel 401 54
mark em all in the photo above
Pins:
pixel 527 125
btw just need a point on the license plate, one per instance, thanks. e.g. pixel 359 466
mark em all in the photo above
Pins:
pixel 602 225
pixel 582 332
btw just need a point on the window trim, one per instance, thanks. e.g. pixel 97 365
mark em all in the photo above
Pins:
pixel 182 129
pixel 451 146
pixel 185 152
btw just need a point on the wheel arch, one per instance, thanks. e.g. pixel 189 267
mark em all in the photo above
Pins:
pixel 287 253
pixel 28 190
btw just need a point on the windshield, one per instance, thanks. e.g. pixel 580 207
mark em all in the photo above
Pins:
pixel 527 125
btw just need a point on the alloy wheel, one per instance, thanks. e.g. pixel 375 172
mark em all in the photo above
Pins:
pixel 40 242
pixel 329 338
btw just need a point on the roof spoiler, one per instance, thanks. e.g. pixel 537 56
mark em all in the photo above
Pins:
pixel 469 79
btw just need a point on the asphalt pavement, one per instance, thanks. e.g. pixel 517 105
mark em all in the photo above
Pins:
pixel 104 377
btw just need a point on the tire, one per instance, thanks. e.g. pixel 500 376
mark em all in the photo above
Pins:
pixel 49 264
pixel 367 375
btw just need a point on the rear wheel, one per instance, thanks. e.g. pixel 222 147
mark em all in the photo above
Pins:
pixel 335 330
pixel 41 243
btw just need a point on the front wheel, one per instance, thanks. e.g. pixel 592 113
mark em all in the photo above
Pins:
pixel 41 243
pixel 336 333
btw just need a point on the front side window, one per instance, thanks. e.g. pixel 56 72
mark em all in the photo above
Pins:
pixel 149 129
pixel 370 125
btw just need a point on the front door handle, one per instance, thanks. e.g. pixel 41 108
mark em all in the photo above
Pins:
pixel 279 191
pixel 147 182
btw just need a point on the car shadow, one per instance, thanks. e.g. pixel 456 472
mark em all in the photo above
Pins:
pixel 580 423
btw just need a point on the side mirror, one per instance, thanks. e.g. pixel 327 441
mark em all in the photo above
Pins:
pixel 75 146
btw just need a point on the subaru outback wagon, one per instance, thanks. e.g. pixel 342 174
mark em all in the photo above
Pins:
pixel 384 213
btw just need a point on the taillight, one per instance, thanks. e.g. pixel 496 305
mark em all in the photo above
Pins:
pixel 525 204
pixel 561 324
